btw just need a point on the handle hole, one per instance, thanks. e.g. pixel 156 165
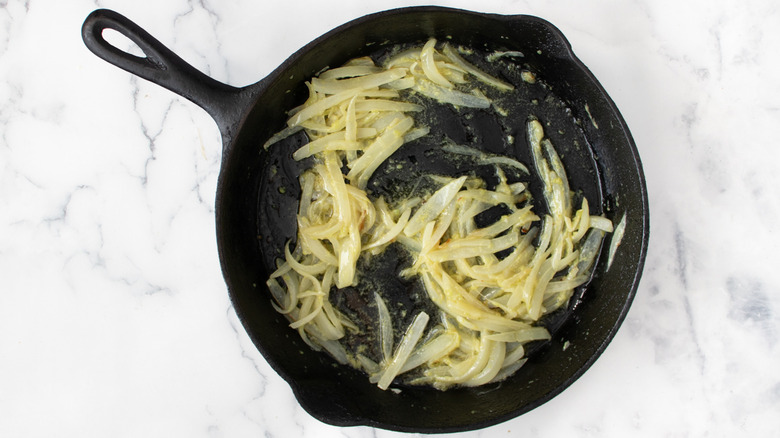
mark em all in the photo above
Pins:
pixel 123 43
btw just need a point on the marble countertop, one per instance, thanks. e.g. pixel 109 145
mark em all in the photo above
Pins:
pixel 114 316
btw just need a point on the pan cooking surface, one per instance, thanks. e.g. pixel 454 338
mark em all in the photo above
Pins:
pixel 500 130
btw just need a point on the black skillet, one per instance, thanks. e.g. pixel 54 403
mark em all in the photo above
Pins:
pixel 257 198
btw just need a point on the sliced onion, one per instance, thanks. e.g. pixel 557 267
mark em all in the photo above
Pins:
pixel 447 95
pixel 431 351
pixel 335 86
pixel 339 139
pixel 407 56
pixel 453 55
pixel 391 233
pixel 601 223
pixel 617 237
pixel 281 135
pixel 467 248
pixel 350 71
pixel 485 159
pixel 433 206
pixel 320 106
pixel 386 105
pixel 429 65
pixel 492 367
pixel 416 133
pixel 385 329
pixel 521 336
pixel 404 350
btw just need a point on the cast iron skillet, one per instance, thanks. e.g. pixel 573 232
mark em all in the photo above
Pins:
pixel 254 218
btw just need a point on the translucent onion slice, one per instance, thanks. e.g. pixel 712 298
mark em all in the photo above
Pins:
pixel 431 351
pixel 281 269
pixel 601 223
pixel 380 150
pixel 386 105
pixel 335 141
pixel 506 161
pixel 315 246
pixel 335 86
pixel 467 248
pixel 311 307
pixel 489 196
pixel 334 183
pixel 279 294
pixel 456 59
pixel 447 95
pixel 391 233
pixel 617 237
pixel 492 367
pixel 348 257
pixel 518 218
pixel 558 286
pixel 441 226
pixel 484 158
pixel 433 206
pixel 336 350
pixel 514 352
pixel 407 56
pixel 583 223
pixel 401 84
pixel 368 365
pixel 350 122
pixel 349 71
pixel 386 120
pixel 385 329
pixel 318 107
pixel 521 336
pixel 281 135
pixel 473 365
pixel 305 270
pixel 416 133
pixel 363 61
pixel 557 166
pixel 508 370
pixel 589 250
pixel 429 65
pixel 329 322
pixel 501 54
pixel 404 349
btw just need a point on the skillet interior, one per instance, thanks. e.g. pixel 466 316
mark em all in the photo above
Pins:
pixel 258 194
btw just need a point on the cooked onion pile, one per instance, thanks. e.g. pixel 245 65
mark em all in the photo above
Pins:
pixel 491 284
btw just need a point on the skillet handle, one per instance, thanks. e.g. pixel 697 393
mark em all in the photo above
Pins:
pixel 161 66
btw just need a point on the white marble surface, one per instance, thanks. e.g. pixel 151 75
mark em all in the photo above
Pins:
pixel 114 318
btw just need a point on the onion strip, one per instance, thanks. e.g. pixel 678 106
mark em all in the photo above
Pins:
pixel 453 55
pixel 429 65
pixel 404 350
